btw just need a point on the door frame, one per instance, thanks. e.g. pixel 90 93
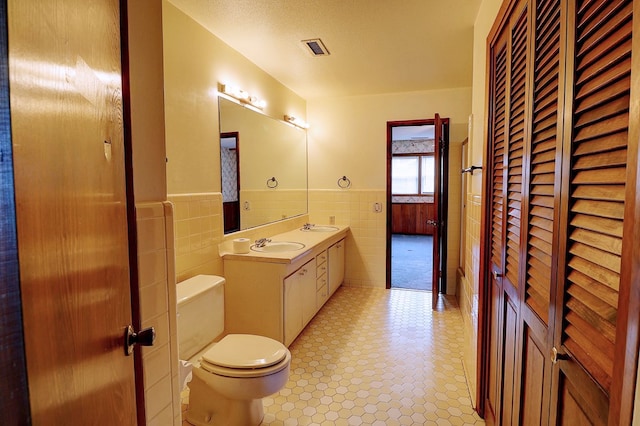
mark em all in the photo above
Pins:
pixel 441 209
pixel 236 136
pixel 14 392
pixel 132 224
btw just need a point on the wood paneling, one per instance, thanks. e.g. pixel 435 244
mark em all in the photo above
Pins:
pixel 231 216
pixel 411 218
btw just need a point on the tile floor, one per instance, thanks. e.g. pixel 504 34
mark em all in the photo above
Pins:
pixel 376 357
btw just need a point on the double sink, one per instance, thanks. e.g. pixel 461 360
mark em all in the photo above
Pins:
pixel 283 246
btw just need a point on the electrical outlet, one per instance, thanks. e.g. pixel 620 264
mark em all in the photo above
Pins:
pixel 377 207
pixel 332 220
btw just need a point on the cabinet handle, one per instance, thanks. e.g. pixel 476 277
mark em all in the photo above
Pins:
pixel 496 275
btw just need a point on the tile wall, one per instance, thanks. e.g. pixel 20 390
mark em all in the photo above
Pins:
pixel 366 246
pixel 156 272
pixel 198 231
pixel 468 287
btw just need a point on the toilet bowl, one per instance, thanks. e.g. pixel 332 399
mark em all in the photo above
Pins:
pixel 233 376
pixel 230 377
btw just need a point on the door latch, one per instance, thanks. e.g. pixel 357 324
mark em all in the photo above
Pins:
pixel 144 337
pixel 555 356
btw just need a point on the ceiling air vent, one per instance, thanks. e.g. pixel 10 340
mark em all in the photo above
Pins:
pixel 316 47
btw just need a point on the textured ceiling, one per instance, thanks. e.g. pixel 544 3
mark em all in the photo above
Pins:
pixel 376 46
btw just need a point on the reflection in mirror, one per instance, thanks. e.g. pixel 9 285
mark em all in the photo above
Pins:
pixel 264 168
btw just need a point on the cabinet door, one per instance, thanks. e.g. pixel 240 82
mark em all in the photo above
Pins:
pixel 299 300
pixel 292 307
pixel 336 266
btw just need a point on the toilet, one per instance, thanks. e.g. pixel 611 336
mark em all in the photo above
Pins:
pixel 230 377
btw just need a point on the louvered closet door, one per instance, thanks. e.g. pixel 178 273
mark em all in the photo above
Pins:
pixel 541 212
pixel 595 185
pixel 517 80
pixel 507 139
pixel 496 191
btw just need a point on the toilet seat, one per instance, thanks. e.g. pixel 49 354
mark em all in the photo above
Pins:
pixel 245 355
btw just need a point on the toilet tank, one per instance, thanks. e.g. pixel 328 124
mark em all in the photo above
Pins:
pixel 200 313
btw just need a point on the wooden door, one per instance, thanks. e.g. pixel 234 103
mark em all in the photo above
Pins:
pixel 66 116
pixel 495 253
pixel 596 142
pixel 423 218
pixel 540 211
pixel 438 220
pixel 560 195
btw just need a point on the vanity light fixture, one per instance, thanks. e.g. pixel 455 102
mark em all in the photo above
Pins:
pixel 242 96
pixel 296 121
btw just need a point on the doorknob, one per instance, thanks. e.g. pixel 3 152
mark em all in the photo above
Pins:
pixel 144 337
pixel 432 222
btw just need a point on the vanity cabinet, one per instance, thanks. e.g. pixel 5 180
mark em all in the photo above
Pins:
pixel 336 266
pixel 276 296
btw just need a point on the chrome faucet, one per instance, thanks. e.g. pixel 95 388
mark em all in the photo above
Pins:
pixel 307 226
pixel 262 242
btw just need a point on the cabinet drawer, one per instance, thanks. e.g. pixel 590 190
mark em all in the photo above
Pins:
pixel 321 258
pixel 321 281
pixel 321 296
pixel 321 269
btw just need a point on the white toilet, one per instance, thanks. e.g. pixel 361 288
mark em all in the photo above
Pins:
pixel 230 377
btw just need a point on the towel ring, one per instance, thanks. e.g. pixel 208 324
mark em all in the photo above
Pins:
pixel 272 183
pixel 344 182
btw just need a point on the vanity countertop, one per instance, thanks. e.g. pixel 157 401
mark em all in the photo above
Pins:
pixel 311 240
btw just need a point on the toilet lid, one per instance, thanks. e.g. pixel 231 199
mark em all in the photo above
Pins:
pixel 245 351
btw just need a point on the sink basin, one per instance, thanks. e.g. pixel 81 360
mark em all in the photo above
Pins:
pixel 278 246
pixel 320 228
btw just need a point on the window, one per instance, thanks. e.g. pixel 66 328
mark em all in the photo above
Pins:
pixel 428 174
pixel 412 174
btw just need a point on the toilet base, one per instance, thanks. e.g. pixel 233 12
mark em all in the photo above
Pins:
pixel 207 407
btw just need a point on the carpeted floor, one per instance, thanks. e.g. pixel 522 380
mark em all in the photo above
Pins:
pixel 411 261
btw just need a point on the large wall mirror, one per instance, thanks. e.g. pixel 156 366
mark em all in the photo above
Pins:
pixel 263 166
